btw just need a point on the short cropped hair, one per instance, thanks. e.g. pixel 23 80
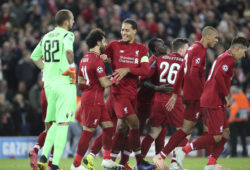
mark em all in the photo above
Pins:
pixel 131 22
pixel 208 30
pixel 62 16
pixel 178 43
pixel 240 41
pixel 94 36
pixel 152 44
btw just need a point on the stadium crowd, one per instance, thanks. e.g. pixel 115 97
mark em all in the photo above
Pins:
pixel 22 23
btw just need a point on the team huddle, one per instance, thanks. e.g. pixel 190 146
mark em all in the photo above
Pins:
pixel 159 101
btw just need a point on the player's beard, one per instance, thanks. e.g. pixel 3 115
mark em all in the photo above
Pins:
pixel 70 27
pixel 102 49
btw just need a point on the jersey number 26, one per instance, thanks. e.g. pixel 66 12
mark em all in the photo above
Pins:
pixel 172 73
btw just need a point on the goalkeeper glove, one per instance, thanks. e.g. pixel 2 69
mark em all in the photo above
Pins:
pixel 71 72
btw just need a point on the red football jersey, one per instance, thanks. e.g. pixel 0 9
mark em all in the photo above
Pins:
pixel 91 68
pixel 219 81
pixel 167 67
pixel 192 72
pixel 146 94
pixel 126 55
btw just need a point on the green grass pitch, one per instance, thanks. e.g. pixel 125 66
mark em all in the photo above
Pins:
pixel 189 163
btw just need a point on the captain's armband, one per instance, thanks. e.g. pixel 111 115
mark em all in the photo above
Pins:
pixel 144 59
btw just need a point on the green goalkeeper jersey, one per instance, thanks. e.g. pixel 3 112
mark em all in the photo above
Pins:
pixel 52 47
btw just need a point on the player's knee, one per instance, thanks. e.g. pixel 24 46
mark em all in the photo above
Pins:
pixel 134 124
pixel 186 130
pixel 89 129
pixel 217 138
pixel 121 128
pixel 132 121
pixel 107 124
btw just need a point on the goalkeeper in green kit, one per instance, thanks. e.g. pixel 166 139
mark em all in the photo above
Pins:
pixel 56 47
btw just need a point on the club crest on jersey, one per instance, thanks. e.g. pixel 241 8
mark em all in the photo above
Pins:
pixel 225 67
pixel 136 53
pixel 221 128
pixel 121 51
pixel 70 38
pixel 126 110
pixel 99 69
pixel 197 61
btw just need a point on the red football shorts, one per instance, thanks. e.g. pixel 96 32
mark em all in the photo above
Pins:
pixel 143 112
pixel 123 104
pixel 161 117
pixel 111 111
pixel 192 110
pixel 93 115
pixel 44 104
pixel 215 119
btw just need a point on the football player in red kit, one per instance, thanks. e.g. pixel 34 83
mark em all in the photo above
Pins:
pixel 41 138
pixel 167 66
pixel 215 94
pixel 92 74
pixel 192 74
pixel 129 60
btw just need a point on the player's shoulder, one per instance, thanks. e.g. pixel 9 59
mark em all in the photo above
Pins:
pixel 114 42
pixel 226 57
pixel 140 45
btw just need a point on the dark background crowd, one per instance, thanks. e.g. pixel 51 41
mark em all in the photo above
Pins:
pixel 24 22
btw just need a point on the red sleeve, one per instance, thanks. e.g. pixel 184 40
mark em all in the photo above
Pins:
pixel 179 78
pixel 100 69
pixel 198 63
pixel 152 70
pixel 109 50
pixel 222 77
pixel 143 70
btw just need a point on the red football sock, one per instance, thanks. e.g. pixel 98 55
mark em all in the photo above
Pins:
pixel 209 148
pixel 173 157
pixel 203 142
pixel 145 145
pixel 175 139
pixel 97 145
pixel 134 138
pixel 107 142
pixel 160 141
pixel 183 143
pixel 211 160
pixel 82 147
pixel 126 151
pixel 40 141
pixel 51 156
pixel 117 144
pixel 218 148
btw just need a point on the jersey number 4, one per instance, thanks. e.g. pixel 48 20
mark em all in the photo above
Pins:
pixel 171 74
pixel 50 48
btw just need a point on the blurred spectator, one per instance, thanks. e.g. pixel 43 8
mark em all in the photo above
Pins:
pixel 35 95
pixel 5 90
pixel 22 115
pixel 6 123
pixel 238 120
pixel 26 71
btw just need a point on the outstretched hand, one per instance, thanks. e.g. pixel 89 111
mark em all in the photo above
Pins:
pixel 171 102
pixel 120 73
pixel 164 88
